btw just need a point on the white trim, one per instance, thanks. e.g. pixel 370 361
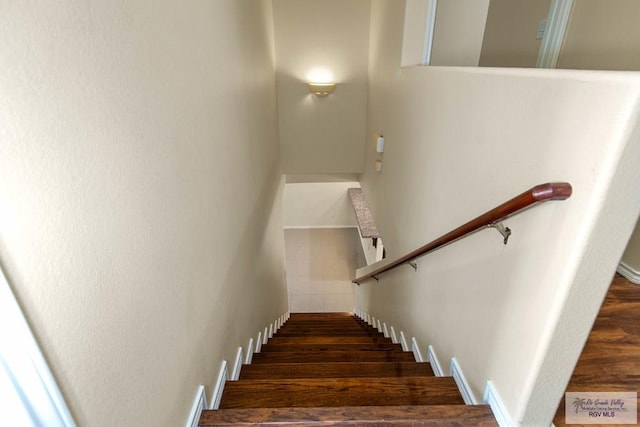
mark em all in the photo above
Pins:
pixel 394 338
pixel 27 386
pixel 219 388
pixel 373 322
pixel 492 398
pixel 403 342
pixel 305 227
pixel 379 327
pixel 265 336
pixel 461 381
pixel 249 357
pixel 385 331
pixel 415 348
pixel 199 403
pixel 629 273
pixel 433 361
pixel 429 30
pixel 551 44
pixel 271 331
pixel 259 342
pixel 368 320
pixel 237 365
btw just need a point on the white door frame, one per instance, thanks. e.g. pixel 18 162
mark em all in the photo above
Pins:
pixel 30 395
pixel 557 21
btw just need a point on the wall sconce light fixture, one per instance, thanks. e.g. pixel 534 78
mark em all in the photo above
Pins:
pixel 321 89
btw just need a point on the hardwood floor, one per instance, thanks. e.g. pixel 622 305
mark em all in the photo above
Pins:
pixel 610 360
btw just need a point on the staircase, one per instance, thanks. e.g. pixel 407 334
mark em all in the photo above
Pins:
pixel 333 369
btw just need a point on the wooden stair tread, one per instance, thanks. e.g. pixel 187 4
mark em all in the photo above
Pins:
pixel 332 356
pixel 329 340
pixel 270 347
pixel 326 333
pixel 331 327
pixel 340 392
pixel 433 415
pixel 335 314
pixel 335 370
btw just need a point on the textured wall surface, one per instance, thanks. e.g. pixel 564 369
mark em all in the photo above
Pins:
pixel 602 36
pixel 605 36
pixel 458 33
pixel 140 204
pixel 510 34
pixel 459 141
pixel 320 266
pixel 314 39
pixel 318 204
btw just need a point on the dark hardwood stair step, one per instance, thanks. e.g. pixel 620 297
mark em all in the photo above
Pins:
pixel 271 347
pixel 325 320
pixel 340 392
pixel 333 356
pixel 329 340
pixel 335 370
pixel 327 333
pixel 418 416
pixel 314 324
pixel 322 315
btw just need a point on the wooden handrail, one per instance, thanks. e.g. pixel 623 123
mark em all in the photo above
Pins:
pixel 538 194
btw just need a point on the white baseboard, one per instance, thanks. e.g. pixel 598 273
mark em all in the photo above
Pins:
pixel 249 356
pixel 199 403
pixel 385 331
pixel 394 338
pixel 403 342
pixel 223 374
pixel 629 273
pixel 461 381
pixel 492 398
pixel 237 365
pixel 259 342
pixel 219 388
pixel 415 348
pixel 433 361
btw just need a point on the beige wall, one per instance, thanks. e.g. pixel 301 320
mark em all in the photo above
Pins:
pixel 459 141
pixel 605 36
pixel 602 35
pixel 140 205
pixel 322 135
pixel 320 264
pixel 318 204
pixel 457 38
pixel 510 33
